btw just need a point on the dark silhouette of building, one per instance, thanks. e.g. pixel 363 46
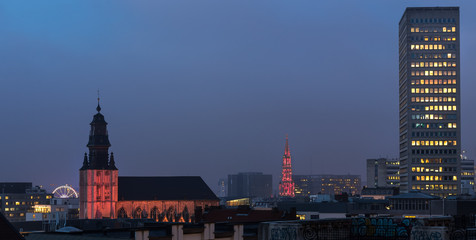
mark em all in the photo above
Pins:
pixel 7 231
pixel 251 184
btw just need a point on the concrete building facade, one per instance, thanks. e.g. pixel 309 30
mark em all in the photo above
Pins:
pixel 429 100
pixel 17 199
pixel 383 172
pixel 307 185
pixel 467 176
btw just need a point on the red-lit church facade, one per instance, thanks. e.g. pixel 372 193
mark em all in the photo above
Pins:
pixel 103 194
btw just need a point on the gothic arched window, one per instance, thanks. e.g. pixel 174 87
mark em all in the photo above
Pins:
pixel 122 213
pixel 137 213
pixel 154 214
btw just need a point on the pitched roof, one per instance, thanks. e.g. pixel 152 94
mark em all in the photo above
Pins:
pixel 7 231
pixel 164 188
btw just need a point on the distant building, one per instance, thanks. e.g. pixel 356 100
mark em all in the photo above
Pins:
pixel 379 193
pixel 286 185
pixel 414 203
pixel 59 210
pixel 103 194
pixel 382 172
pixel 467 176
pixel 307 211
pixel 18 199
pixel 307 185
pixel 320 198
pixel 368 207
pixel 250 184
pixel 221 188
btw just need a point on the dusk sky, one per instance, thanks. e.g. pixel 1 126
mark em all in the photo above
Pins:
pixel 207 88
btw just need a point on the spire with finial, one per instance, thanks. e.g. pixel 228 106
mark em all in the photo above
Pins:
pixel 98 143
pixel 286 148
pixel 85 162
pixel 98 107
pixel 286 186
pixel 112 163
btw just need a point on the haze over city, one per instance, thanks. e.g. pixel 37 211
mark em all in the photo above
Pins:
pixel 207 88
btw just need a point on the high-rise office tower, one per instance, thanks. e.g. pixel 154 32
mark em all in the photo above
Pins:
pixel 429 100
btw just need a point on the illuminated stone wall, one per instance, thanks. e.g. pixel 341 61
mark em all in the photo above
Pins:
pixel 162 211
pixel 97 193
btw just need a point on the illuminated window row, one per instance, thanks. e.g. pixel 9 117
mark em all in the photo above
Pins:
pixel 434 108
pixel 433 99
pixel 467 173
pixel 433 81
pixel 433 29
pixel 433 90
pixel 433 160
pixel 433 143
pixel 434 125
pixel 433 134
pixel 432 64
pixel 393 177
pixel 434 187
pixel 432 55
pixel 427 169
pixel 433 73
pixel 436 178
pixel 433 151
pixel 431 46
pixel 433 38
pixel 433 20
pixel 434 116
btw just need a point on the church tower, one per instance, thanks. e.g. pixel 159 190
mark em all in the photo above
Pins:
pixel 98 175
pixel 286 185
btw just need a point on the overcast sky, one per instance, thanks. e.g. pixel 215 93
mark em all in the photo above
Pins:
pixel 207 88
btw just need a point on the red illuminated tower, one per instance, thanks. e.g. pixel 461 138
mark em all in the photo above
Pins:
pixel 286 185
pixel 98 176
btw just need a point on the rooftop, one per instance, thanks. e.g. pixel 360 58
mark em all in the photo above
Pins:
pixel 164 188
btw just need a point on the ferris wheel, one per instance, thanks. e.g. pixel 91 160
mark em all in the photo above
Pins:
pixel 65 191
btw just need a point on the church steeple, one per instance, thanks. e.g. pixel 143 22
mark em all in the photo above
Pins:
pixel 98 143
pixel 286 186
pixel 98 177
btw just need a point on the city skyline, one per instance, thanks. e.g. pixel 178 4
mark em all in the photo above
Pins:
pixel 196 96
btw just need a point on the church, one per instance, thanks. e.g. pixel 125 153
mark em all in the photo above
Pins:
pixel 104 194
